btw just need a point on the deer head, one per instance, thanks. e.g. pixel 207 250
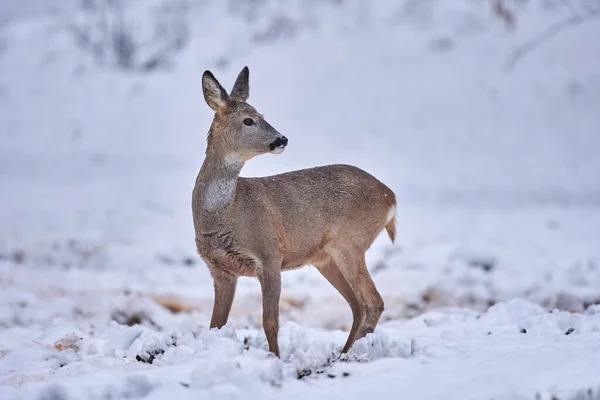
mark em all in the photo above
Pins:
pixel 238 130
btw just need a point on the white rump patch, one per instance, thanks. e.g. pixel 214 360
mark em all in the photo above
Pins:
pixel 218 194
pixel 391 214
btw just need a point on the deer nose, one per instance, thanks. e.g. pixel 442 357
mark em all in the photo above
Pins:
pixel 279 142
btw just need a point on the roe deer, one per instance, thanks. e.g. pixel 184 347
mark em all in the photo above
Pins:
pixel 325 216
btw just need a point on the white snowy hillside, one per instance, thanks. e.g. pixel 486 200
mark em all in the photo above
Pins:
pixel 483 116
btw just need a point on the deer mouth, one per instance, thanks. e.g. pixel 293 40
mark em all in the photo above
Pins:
pixel 277 150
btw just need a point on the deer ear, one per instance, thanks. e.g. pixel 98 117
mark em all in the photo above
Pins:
pixel 241 88
pixel 216 97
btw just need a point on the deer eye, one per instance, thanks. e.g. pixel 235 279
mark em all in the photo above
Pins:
pixel 248 121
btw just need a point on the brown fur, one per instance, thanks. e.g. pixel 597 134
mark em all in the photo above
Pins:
pixel 325 216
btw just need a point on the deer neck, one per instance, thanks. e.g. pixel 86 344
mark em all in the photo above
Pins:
pixel 214 193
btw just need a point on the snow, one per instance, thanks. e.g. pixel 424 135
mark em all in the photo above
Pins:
pixel 491 290
pixel 510 351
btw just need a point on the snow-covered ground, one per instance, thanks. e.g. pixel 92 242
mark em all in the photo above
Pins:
pixel 516 350
pixel 497 174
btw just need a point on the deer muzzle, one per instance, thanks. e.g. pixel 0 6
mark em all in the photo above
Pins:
pixel 278 145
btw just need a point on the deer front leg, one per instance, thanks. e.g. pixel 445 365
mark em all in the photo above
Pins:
pixel 270 282
pixel 225 284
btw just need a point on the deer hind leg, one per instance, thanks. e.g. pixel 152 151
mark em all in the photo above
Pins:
pixel 372 302
pixel 270 282
pixel 225 284
pixel 331 271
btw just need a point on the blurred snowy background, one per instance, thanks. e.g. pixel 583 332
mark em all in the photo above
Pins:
pixel 482 115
